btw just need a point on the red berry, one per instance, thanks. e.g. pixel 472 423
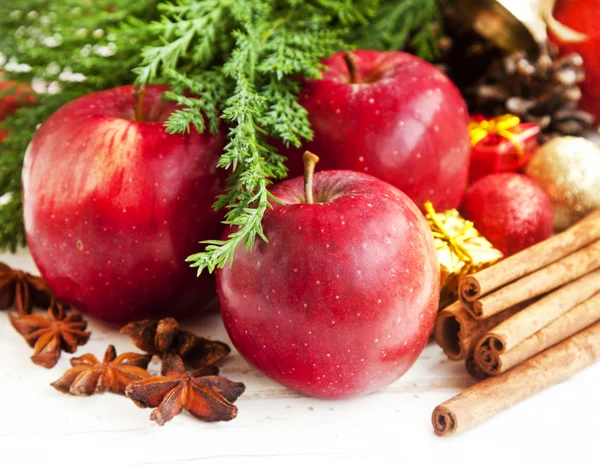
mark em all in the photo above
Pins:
pixel 509 210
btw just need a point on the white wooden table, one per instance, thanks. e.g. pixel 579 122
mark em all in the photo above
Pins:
pixel 276 426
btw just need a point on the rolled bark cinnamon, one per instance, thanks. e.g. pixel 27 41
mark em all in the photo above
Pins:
pixel 457 331
pixel 474 286
pixel 519 327
pixel 578 318
pixel 489 397
pixel 474 369
pixel 549 278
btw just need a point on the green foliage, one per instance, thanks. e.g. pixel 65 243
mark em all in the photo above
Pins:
pixel 273 42
pixel 400 24
pixel 69 48
pixel 236 61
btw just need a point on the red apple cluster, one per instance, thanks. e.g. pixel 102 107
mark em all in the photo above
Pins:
pixel 341 300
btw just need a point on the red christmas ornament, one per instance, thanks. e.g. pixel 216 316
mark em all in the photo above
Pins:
pixel 581 16
pixel 509 210
pixel 499 145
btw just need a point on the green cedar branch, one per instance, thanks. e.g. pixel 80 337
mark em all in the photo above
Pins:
pixel 275 43
pixel 236 61
pixel 75 47
pixel 398 25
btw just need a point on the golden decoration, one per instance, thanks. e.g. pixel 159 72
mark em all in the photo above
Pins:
pixel 461 250
pixel 568 170
pixel 505 126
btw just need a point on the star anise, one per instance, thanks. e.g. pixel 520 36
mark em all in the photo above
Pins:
pixel 23 290
pixel 51 335
pixel 165 336
pixel 207 397
pixel 114 373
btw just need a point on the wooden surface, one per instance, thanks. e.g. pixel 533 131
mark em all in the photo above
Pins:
pixel 275 426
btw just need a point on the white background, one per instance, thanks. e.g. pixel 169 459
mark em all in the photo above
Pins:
pixel 275 426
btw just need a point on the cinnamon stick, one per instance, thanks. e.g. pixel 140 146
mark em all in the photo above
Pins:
pixel 554 275
pixel 514 330
pixel 583 233
pixel 578 318
pixel 457 331
pixel 473 369
pixel 489 397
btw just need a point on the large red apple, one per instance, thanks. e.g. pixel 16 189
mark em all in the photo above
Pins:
pixel 342 299
pixel 393 116
pixel 113 205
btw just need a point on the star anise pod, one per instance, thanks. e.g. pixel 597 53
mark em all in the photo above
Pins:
pixel 23 290
pixel 206 396
pixel 165 336
pixel 114 373
pixel 52 334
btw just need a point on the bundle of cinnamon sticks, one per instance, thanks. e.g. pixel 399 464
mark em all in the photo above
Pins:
pixel 529 321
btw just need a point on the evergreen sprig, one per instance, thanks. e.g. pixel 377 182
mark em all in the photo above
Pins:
pixel 398 25
pixel 273 43
pixel 236 62
pixel 68 48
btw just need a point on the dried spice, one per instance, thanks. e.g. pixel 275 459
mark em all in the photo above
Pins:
pixel 114 373
pixel 52 334
pixel 207 397
pixel 23 290
pixel 165 336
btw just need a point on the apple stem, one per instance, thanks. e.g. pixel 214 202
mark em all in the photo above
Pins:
pixel 139 92
pixel 310 160
pixel 350 60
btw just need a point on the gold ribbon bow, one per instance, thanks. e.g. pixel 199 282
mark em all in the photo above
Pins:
pixel 453 241
pixel 501 126
pixel 460 249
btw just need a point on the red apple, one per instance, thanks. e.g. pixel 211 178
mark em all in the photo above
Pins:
pixel 342 299
pixel 393 116
pixel 113 206
pixel 582 16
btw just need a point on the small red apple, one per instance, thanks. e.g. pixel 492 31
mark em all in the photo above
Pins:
pixel 393 116
pixel 342 299
pixel 113 205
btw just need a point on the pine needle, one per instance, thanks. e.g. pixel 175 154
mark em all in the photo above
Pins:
pixel 238 61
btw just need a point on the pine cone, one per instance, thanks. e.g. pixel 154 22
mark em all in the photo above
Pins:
pixel 545 91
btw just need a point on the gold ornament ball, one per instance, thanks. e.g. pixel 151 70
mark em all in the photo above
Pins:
pixel 568 170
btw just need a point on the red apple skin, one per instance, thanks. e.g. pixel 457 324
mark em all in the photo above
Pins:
pixel 342 299
pixel 404 122
pixel 113 207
